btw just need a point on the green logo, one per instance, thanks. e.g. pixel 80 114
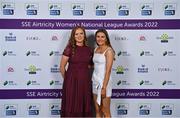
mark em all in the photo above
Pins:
pixel 32 69
pixel 119 70
pixel 164 38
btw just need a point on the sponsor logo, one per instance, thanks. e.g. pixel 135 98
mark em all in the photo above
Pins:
pixel 55 53
pixel 168 82
pixel 9 53
pixel 10 37
pixel 146 53
pixel 11 110
pixel 101 9
pixel 123 9
pixel 146 9
pixel 144 109
pixel 143 69
pixel 32 69
pixel 10 69
pixel 167 109
pixel 54 9
pixel 31 9
pixel 164 38
pixel 120 70
pixel 123 53
pixel 8 8
pixel 55 109
pixel 122 109
pixel 32 53
pixel 145 82
pixel 55 69
pixel 77 9
pixel 33 109
pixel 169 9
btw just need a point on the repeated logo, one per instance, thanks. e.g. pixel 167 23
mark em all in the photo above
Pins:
pixel 55 109
pixel 167 109
pixel 164 69
pixel 8 8
pixel 10 109
pixel 54 38
pixel 32 69
pixel 10 69
pixel 54 82
pixel 145 82
pixel 32 53
pixel 122 108
pixel 120 38
pixel 33 109
pixel 55 53
pixel 123 9
pixel 142 38
pixel 34 38
pixel 146 9
pixel 144 109
pixel 168 83
pixel 101 9
pixel 169 9
pixel 55 9
pixel 78 9
pixel 31 9
pixel 55 69
pixel 123 82
pixel 10 37
pixel 122 53
pixel 120 70
pixel 169 53
pixel 164 38
pixel 9 53
pixel 146 53
pixel 143 69
pixel 9 83
pixel 32 83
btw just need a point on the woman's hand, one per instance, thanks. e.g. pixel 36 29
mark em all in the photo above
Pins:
pixel 103 92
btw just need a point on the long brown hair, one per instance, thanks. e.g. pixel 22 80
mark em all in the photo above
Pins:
pixel 108 43
pixel 72 40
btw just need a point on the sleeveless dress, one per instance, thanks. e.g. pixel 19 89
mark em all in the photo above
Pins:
pixel 99 74
pixel 77 85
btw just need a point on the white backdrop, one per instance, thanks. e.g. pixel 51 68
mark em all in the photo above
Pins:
pixel 144 34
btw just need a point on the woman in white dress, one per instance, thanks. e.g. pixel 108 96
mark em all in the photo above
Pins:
pixel 102 83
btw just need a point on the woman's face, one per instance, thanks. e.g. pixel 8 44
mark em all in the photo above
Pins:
pixel 79 36
pixel 101 38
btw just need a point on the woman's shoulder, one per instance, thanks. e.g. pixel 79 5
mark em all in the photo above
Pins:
pixel 109 50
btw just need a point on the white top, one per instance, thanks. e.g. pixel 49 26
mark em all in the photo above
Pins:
pixel 99 74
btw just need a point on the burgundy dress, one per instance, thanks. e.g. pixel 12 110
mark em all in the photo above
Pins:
pixel 77 86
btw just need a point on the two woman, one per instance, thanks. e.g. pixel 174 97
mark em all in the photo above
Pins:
pixel 76 99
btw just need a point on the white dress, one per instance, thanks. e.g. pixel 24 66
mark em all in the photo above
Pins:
pixel 99 74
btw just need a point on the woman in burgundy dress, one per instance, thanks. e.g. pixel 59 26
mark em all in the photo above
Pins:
pixel 77 89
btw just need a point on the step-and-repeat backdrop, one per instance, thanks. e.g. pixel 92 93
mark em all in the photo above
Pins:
pixel 144 33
